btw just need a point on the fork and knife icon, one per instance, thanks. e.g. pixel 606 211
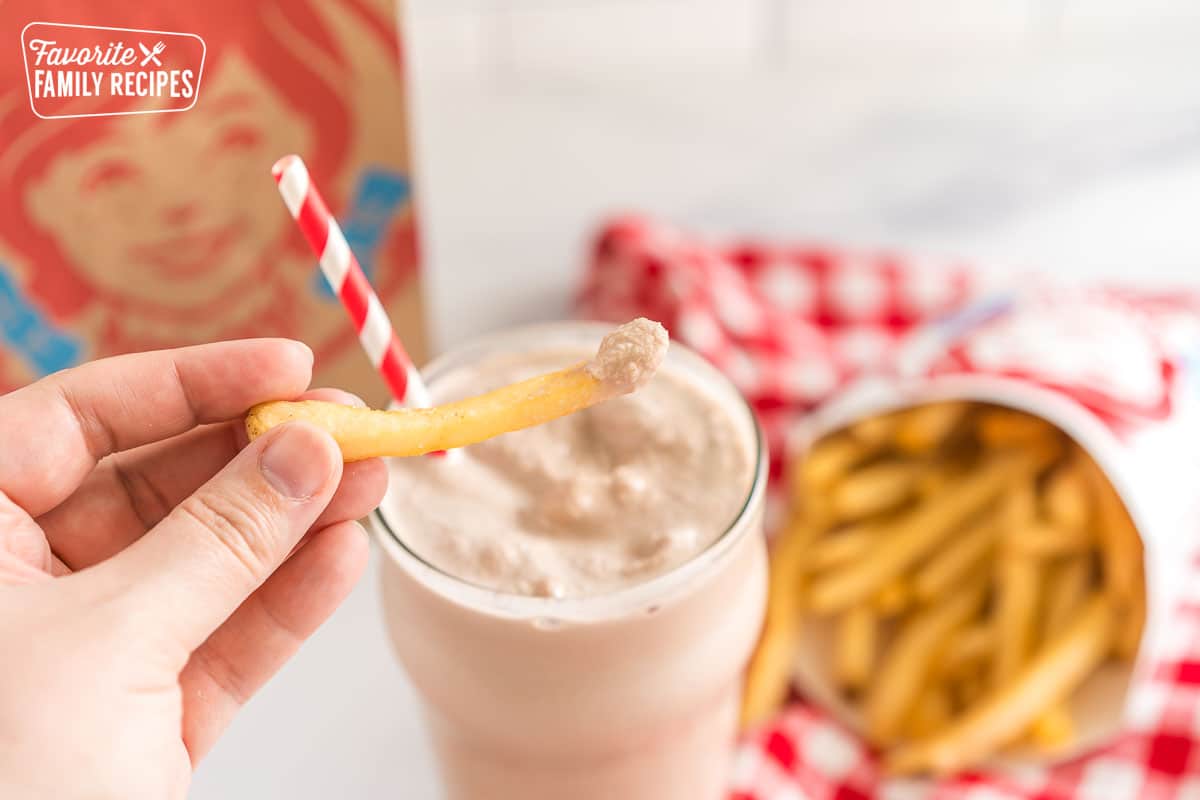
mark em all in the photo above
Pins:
pixel 151 55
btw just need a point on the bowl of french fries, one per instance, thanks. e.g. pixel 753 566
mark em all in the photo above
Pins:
pixel 958 581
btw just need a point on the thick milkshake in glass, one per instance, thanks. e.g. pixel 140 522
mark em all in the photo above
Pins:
pixel 576 602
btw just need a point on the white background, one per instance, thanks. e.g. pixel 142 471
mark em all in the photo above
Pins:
pixel 1018 134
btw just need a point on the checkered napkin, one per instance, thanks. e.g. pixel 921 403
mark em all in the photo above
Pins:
pixel 790 325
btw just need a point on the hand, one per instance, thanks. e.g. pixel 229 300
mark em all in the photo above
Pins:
pixel 154 569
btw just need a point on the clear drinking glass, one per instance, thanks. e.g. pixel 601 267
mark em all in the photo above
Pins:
pixel 632 695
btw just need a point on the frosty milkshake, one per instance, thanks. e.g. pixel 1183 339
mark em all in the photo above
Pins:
pixel 576 602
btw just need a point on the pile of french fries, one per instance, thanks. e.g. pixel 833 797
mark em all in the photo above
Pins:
pixel 975 566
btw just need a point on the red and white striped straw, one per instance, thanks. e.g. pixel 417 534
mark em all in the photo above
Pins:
pixel 344 274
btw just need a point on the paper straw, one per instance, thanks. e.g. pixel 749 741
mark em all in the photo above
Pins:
pixel 342 270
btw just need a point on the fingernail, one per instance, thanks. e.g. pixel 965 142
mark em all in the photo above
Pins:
pixel 304 350
pixel 350 399
pixel 297 461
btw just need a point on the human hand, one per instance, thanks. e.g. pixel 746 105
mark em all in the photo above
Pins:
pixel 155 570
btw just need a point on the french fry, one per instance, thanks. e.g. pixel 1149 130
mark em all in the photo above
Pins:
pixel 1122 560
pixel 930 713
pixel 787 566
pixel 943 473
pixel 1067 587
pixel 933 482
pixel 829 459
pixel 1066 497
pixel 1121 548
pixel 1018 585
pixel 1007 711
pixel 769 672
pixel 966 648
pixel 894 598
pixel 874 431
pixel 968 686
pixel 1020 506
pixel 875 488
pixel 916 532
pixel 855 644
pixel 1018 590
pixel 907 663
pixel 962 554
pixel 369 433
pixel 813 503
pixel 1132 621
pixel 1004 427
pixel 840 547
pixel 923 428
pixel 626 359
pixel 1054 729
pixel 1040 539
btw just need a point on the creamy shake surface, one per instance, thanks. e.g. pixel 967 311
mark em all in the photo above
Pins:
pixel 591 502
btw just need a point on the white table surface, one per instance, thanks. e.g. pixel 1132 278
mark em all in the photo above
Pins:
pixel 1082 163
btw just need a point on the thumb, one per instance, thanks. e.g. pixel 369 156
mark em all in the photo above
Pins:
pixel 25 555
pixel 220 544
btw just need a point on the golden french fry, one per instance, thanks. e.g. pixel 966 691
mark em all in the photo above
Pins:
pixel 894 598
pixel 967 648
pixel 1018 585
pixel 874 488
pixel 915 533
pixel 1122 559
pixel 1007 711
pixel 813 503
pixel 1121 547
pixel 1004 427
pixel 1018 590
pixel 626 359
pixel 855 643
pixel 907 663
pixel 933 482
pixel 829 459
pixel 943 473
pixel 769 672
pixel 1066 498
pixel 873 431
pixel 788 555
pixel 1054 729
pixel 921 429
pixel 968 686
pixel 1020 506
pixel 369 433
pixel 842 546
pixel 965 551
pixel 1043 540
pixel 930 713
pixel 1067 587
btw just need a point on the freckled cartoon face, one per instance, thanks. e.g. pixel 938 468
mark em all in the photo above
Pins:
pixel 163 219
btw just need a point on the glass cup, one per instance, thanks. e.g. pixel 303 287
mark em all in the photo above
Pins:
pixel 631 695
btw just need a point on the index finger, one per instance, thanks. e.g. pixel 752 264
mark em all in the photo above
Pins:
pixel 53 432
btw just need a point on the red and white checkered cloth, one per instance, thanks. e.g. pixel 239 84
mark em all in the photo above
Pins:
pixel 790 325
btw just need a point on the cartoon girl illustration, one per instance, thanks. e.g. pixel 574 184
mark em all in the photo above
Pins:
pixel 155 230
